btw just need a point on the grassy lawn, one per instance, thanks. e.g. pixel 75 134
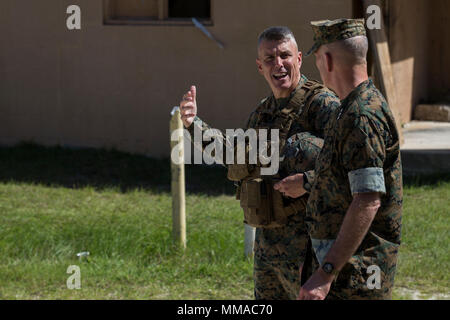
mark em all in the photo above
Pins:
pixel 55 203
pixel 424 260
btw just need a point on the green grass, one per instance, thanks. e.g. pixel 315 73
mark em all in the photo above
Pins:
pixel 128 236
pixel 56 202
pixel 424 260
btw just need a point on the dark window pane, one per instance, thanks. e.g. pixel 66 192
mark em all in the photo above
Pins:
pixel 189 9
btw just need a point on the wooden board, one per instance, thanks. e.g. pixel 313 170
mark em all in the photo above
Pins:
pixel 382 61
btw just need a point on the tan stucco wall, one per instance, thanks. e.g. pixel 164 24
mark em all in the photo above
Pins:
pixel 419 39
pixel 439 75
pixel 408 28
pixel 113 86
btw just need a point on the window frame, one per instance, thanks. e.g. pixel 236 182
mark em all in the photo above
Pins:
pixel 163 17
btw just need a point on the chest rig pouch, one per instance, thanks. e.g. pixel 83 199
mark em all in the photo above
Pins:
pixel 265 207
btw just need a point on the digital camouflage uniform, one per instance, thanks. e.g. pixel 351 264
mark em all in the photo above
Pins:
pixel 278 252
pixel 360 154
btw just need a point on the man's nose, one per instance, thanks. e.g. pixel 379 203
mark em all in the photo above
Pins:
pixel 278 62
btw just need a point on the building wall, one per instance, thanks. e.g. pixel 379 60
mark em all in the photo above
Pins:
pixel 114 86
pixel 439 52
pixel 408 31
pixel 419 39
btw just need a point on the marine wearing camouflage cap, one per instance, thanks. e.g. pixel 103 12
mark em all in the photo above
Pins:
pixel 326 31
pixel 354 211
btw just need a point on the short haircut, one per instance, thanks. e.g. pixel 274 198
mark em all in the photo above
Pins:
pixel 355 48
pixel 278 33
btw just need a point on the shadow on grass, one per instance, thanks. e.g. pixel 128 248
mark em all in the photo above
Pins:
pixel 425 180
pixel 57 166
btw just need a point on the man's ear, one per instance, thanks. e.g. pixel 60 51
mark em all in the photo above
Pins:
pixel 329 61
pixel 259 65
pixel 300 59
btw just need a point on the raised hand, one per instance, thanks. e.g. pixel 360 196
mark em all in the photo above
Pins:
pixel 188 107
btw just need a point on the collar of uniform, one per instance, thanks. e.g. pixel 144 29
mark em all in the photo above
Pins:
pixel 352 95
pixel 357 91
pixel 282 102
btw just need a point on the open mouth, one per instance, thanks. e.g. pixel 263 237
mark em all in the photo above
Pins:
pixel 280 76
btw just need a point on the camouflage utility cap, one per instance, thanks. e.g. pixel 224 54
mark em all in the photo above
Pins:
pixel 326 31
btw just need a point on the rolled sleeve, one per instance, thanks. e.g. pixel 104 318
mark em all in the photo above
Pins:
pixel 367 180
pixel 363 156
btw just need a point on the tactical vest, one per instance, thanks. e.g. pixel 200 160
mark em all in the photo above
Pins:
pixel 265 207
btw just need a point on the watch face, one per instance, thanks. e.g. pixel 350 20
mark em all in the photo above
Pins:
pixel 328 267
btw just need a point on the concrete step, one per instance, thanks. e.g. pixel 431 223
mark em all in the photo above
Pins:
pixel 427 148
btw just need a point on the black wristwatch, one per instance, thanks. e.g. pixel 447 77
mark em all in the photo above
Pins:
pixel 329 268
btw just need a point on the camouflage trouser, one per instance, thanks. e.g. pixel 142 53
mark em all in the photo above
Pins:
pixel 276 280
pixel 279 252
pixel 353 281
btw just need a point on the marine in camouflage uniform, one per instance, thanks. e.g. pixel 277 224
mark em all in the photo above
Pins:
pixel 361 154
pixel 279 252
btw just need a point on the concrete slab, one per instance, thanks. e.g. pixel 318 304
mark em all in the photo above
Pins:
pixel 426 148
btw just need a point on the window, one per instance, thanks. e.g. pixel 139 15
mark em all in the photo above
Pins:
pixel 200 9
pixel 156 11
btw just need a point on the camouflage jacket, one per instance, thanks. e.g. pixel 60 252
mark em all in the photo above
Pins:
pixel 361 154
pixel 313 119
pixel 289 243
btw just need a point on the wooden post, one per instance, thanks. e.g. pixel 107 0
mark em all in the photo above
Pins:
pixel 249 240
pixel 177 182
pixel 382 61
